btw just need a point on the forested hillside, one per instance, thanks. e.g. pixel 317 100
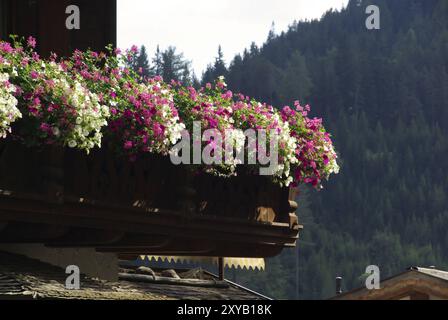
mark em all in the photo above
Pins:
pixel 383 94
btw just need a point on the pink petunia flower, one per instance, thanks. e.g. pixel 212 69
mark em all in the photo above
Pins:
pixel 31 42
pixel 128 145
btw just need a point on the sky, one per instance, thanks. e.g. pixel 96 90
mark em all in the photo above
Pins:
pixel 198 27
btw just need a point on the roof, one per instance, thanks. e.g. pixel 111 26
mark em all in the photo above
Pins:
pixel 25 278
pixel 443 275
pixel 415 282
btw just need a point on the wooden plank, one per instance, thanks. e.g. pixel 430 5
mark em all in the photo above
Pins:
pixel 16 232
pixel 139 221
pixel 86 237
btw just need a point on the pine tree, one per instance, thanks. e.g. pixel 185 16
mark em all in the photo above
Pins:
pixel 174 66
pixel 271 34
pixel 142 63
pixel 157 67
pixel 296 83
pixel 216 70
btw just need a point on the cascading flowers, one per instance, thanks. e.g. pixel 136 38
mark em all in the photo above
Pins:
pixel 211 107
pixel 92 96
pixel 249 114
pixel 305 152
pixel 143 115
pixel 315 153
pixel 59 110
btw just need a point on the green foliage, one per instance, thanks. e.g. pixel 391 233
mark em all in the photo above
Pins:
pixel 141 65
pixel 296 81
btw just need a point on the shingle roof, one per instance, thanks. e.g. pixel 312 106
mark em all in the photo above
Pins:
pixel 25 278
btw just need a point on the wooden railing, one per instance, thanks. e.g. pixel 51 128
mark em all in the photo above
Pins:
pixel 151 182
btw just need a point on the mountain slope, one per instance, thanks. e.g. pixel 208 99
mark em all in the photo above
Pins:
pixel 383 94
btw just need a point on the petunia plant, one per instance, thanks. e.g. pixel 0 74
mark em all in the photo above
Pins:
pixel 143 117
pixel 59 110
pixel 91 98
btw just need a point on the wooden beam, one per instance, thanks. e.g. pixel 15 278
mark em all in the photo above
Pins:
pixel 86 237
pixel 16 232
pixel 133 230
pixel 221 268
pixel 141 221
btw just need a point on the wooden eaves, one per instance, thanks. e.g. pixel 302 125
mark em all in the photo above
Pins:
pixel 135 231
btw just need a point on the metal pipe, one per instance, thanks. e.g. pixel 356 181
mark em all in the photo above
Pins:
pixel 338 285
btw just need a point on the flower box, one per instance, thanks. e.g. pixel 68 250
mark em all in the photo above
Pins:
pixel 150 182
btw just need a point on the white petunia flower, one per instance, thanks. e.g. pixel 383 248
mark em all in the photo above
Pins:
pixel 8 105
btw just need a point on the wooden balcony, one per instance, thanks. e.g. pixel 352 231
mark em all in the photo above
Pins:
pixel 65 198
